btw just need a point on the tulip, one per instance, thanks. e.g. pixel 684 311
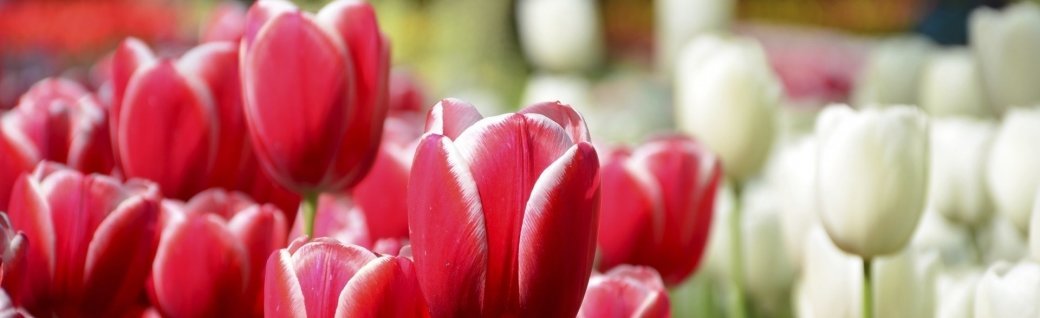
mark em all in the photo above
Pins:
pixel 91 241
pixel 1034 231
pixel 956 187
pixel 1012 174
pixel 503 211
pixel 657 206
pixel 892 73
pixel 952 86
pixel 795 180
pixel 872 176
pixel 560 35
pixel 17 153
pixel 405 93
pixel 1004 42
pixel 379 195
pixel 227 22
pixel 325 278
pixel 677 22
pixel 726 95
pixel 13 246
pixel 955 293
pixel 1009 290
pixel 8 308
pixel 1000 240
pixel 904 284
pixel 956 243
pixel 832 280
pixel 338 217
pixel 767 270
pixel 211 255
pixel 626 291
pixel 66 125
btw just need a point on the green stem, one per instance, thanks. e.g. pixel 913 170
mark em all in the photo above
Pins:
pixel 736 300
pixel 308 208
pixel 868 295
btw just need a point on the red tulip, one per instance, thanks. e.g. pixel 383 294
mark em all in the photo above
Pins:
pixel 212 254
pixel 326 278
pixel 657 206
pixel 91 241
pixel 405 93
pixel 315 92
pixel 626 291
pixel 17 153
pixel 503 211
pixel 8 309
pixel 13 246
pixel 227 23
pixel 337 217
pixel 67 125
pixel 379 196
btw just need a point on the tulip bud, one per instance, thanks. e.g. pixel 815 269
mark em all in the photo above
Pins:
pixel 956 187
pixel 794 178
pixel 768 273
pixel 518 195
pixel 560 35
pixel 626 291
pixel 832 281
pixel 872 176
pixel 380 195
pixel 1013 175
pixel 726 95
pixel 955 293
pixel 677 22
pixel 1009 290
pixel 315 92
pixel 1004 43
pixel 67 125
pixel 892 74
pixel 951 85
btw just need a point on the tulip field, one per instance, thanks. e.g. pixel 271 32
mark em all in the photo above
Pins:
pixel 520 158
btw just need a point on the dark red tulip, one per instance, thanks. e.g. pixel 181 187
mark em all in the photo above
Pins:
pixel 227 22
pixel 503 211
pixel 211 257
pixel 657 206
pixel 315 92
pixel 91 241
pixel 326 278
pixel 67 125
pixel 626 291
pixel 8 308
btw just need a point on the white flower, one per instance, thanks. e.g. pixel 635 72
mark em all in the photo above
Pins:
pixel 952 86
pixel 1006 45
pixel 560 35
pixel 832 281
pixel 727 96
pixel 794 177
pixel 1009 290
pixel 1014 165
pixel 956 189
pixel 1034 231
pixel 892 73
pixel 904 284
pixel 955 293
pixel 872 176
pixel 679 21
pixel 999 240
pixel 768 273
pixel 952 241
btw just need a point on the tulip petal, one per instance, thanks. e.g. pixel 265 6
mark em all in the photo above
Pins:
pixel 74 226
pixel 259 14
pixel 283 295
pixel 262 230
pixel 131 54
pixel 386 216
pixel 119 257
pixel 323 269
pixel 630 292
pixel 29 213
pixel 382 288
pixel 558 237
pixel 630 212
pixel 563 115
pixel 18 157
pixel 90 149
pixel 450 117
pixel 200 268
pixel 447 230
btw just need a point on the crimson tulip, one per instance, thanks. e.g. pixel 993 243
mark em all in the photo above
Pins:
pixel 326 278
pixel 67 125
pixel 657 206
pixel 626 291
pixel 503 211
pixel 211 257
pixel 7 307
pixel 91 241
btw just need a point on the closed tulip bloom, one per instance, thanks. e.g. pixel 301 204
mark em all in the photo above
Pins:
pixel 892 73
pixel 626 291
pixel 657 206
pixel 951 85
pixel 380 195
pixel 1013 174
pixel 212 254
pixel 794 178
pixel 503 211
pixel 726 95
pixel 1009 290
pixel 955 293
pixel 326 278
pixel 1004 42
pixel 315 92
pixel 18 154
pixel 91 241
pixel 560 35
pixel 872 176
pixel 957 184
pixel 227 22
pixel 832 281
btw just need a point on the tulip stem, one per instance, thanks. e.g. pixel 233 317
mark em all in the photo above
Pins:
pixel 868 295
pixel 309 207
pixel 736 299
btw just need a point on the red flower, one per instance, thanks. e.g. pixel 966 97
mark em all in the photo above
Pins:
pixel 12 252
pixel 315 92
pixel 326 278
pixel 626 291
pixel 91 241
pixel 657 206
pixel 503 211
pixel 227 22
pixel 337 217
pixel 212 253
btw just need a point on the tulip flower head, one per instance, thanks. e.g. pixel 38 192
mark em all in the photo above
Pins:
pixel 1005 42
pixel 626 291
pixel 503 211
pixel 67 125
pixel 1009 290
pixel 957 185
pixel 1012 174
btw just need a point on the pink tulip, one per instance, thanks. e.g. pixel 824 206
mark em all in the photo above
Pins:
pixel 8 309
pixel 91 241
pixel 211 257
pixel 67 125
pixel 337 217
pixel 18 155
pixel 315 92
pixel 626 291
pixel 657 206
pixel 326 278
pixel 405 93
pixel 226 23
pixel 380 195
pixel 503 211
pixel 13 246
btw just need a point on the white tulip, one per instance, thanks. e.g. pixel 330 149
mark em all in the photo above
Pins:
pixel 727 96
pixel 1034 231
pixel 956 189
pixel 1009 290
pixel 904 285
pixel 999 240
pixel 794 177
pixel 560 35
pixel 1006 44
pixel 952 86
pixel 768 273
pixel 872 176
pixel 954 242
pixel 832 281
pixel 679 21
pixel 1014 165
pixel 717 253
pixel 955 293
pixel 892 73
